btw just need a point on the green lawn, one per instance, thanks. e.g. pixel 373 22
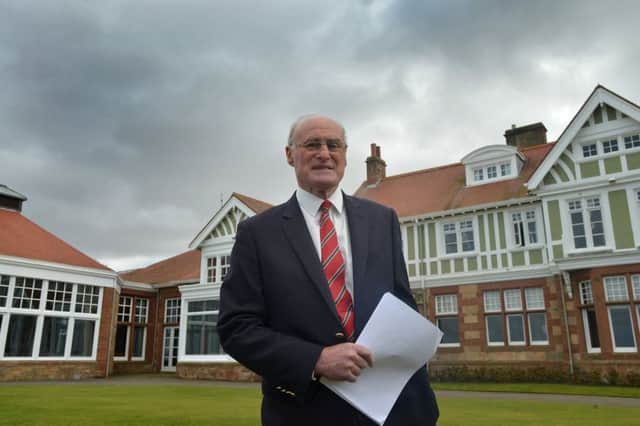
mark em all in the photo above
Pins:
pixel 77 404
pixel 546 388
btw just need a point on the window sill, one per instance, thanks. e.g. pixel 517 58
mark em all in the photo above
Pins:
pixel 594 250
pixel 449 345
pixel 527 247
pixel 462 255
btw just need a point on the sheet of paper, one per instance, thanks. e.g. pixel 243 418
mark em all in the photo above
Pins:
pixel 402 341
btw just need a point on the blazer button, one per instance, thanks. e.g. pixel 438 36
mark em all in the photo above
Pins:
pixel 340 336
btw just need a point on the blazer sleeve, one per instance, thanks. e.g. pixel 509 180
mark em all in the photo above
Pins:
pixel 243 323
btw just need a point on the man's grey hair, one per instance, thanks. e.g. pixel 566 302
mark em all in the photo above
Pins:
pixel 290 141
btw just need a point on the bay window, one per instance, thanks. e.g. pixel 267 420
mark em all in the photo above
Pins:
pixel 202 334
pixel 45 319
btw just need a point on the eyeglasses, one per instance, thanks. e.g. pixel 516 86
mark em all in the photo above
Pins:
pixel 315 145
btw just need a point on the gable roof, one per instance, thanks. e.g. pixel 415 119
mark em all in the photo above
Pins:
pixel 599 95
pixel 443 188
pixel 245 204
pixel 20 237
pixel 184 267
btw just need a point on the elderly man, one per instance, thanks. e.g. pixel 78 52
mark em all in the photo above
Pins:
pixel 305 277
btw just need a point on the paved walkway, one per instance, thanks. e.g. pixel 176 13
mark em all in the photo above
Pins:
pixel 170 379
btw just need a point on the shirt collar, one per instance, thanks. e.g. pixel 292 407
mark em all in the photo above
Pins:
pixel 311 203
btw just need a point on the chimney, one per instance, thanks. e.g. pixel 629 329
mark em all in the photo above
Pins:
pixel 10 199
pixel 376 167
pixel 525 136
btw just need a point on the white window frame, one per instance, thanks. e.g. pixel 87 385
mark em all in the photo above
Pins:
pixel 40 313
pixel 187 314
pixel 531 295
pixel 585 290
pixel 523 228
pixel 172 305
pixel 616 300
pixel 611 331
pixel 635 141
pixel 458 232
pixel 584 209
pixel 589 145
pixel 446 306
pixel 121 319
pixel 144 324
pixel 524 335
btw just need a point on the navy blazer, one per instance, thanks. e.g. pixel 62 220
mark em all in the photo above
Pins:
pixel 276 312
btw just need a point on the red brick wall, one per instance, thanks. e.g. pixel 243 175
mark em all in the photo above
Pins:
pixel 216 371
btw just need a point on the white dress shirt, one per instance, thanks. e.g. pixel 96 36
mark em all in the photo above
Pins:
pixel 310 206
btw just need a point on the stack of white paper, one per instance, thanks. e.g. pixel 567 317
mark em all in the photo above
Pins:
pixel 402 341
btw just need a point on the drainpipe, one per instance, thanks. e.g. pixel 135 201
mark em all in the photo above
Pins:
pixel 420 260
pixel 566 280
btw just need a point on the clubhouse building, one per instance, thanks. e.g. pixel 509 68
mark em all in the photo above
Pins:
pixel 526 253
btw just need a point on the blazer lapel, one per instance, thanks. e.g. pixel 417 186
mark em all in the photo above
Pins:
pixel 296 231
pixel 358 234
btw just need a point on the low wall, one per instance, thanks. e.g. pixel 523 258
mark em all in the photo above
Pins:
pixel 228 371
pixel 39 370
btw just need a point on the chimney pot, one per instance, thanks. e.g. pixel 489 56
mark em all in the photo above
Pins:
pixel 376 167
pixel 525 136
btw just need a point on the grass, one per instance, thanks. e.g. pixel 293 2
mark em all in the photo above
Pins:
pixel 544 388
pixel 78 404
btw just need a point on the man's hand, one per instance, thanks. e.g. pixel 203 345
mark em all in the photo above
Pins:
pixel 344 361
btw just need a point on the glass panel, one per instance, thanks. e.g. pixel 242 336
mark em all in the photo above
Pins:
pixel 4 289
pixel 20 335
pixel 122 332
pixel 124 309
pixel 492 301
pixel 446 304
pixel 515 324
pixel 54 336
pixel 512 300
pixel 586 293
pixel 621 325
pixel 577 226
pixel 592 328
pixel 138 341
pixel 172 312
pixel 538 327
pixel 27 293
pixel 59 296
pixel 142 311
pixel 495 329
pixel 203 305
pixel 534 298
pixel 616 289
pixel 635 283
pixel 597 230
pixel 202 337
pixel 82 344
pixel 466 229
pixel 449 326
pixel 87 301
pixel 225 265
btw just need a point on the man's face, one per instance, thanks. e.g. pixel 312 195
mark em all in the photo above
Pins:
pixel 318 171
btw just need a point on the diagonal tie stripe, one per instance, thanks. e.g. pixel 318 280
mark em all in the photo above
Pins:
pixel 334 270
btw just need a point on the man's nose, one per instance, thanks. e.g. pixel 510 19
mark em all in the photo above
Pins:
pixel 324 151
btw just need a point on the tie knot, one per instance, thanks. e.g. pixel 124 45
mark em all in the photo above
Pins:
pixel 325 206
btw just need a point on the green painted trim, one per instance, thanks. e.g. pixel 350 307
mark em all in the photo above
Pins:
pixel 412 270
pixel 555 225
pixel 472 263
pixel 434 268
pixel 494 261
pixel 423 268
pixel 611 113
pixel 597 115
pixel 232 218
pixel 433 251
pixel 589 169
pixel 558 253
pixel 505 260
pixel 214 234
pixel 517 258
pixel 411 247
pixel 421 248
pixel 483 261
pixel 445 267
pixel 560 171
pixel 458 265
pixel 622 228
pixel 535 257
pixel 548 179
pixel 492 234
pixel 227 226
pixel 612 165
pixel 501 233
pixel 569 163
pixel 633 161
pixel 483 243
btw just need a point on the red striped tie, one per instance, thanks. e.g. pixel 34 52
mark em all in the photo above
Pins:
pixel 334 269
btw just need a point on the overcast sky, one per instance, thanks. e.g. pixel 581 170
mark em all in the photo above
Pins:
pixel 126 122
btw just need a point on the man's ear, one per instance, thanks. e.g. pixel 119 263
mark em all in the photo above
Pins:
pixel 289 153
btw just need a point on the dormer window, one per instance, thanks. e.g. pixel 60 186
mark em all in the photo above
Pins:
pixel 632 141
pixel 610 146
pixel 492 163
